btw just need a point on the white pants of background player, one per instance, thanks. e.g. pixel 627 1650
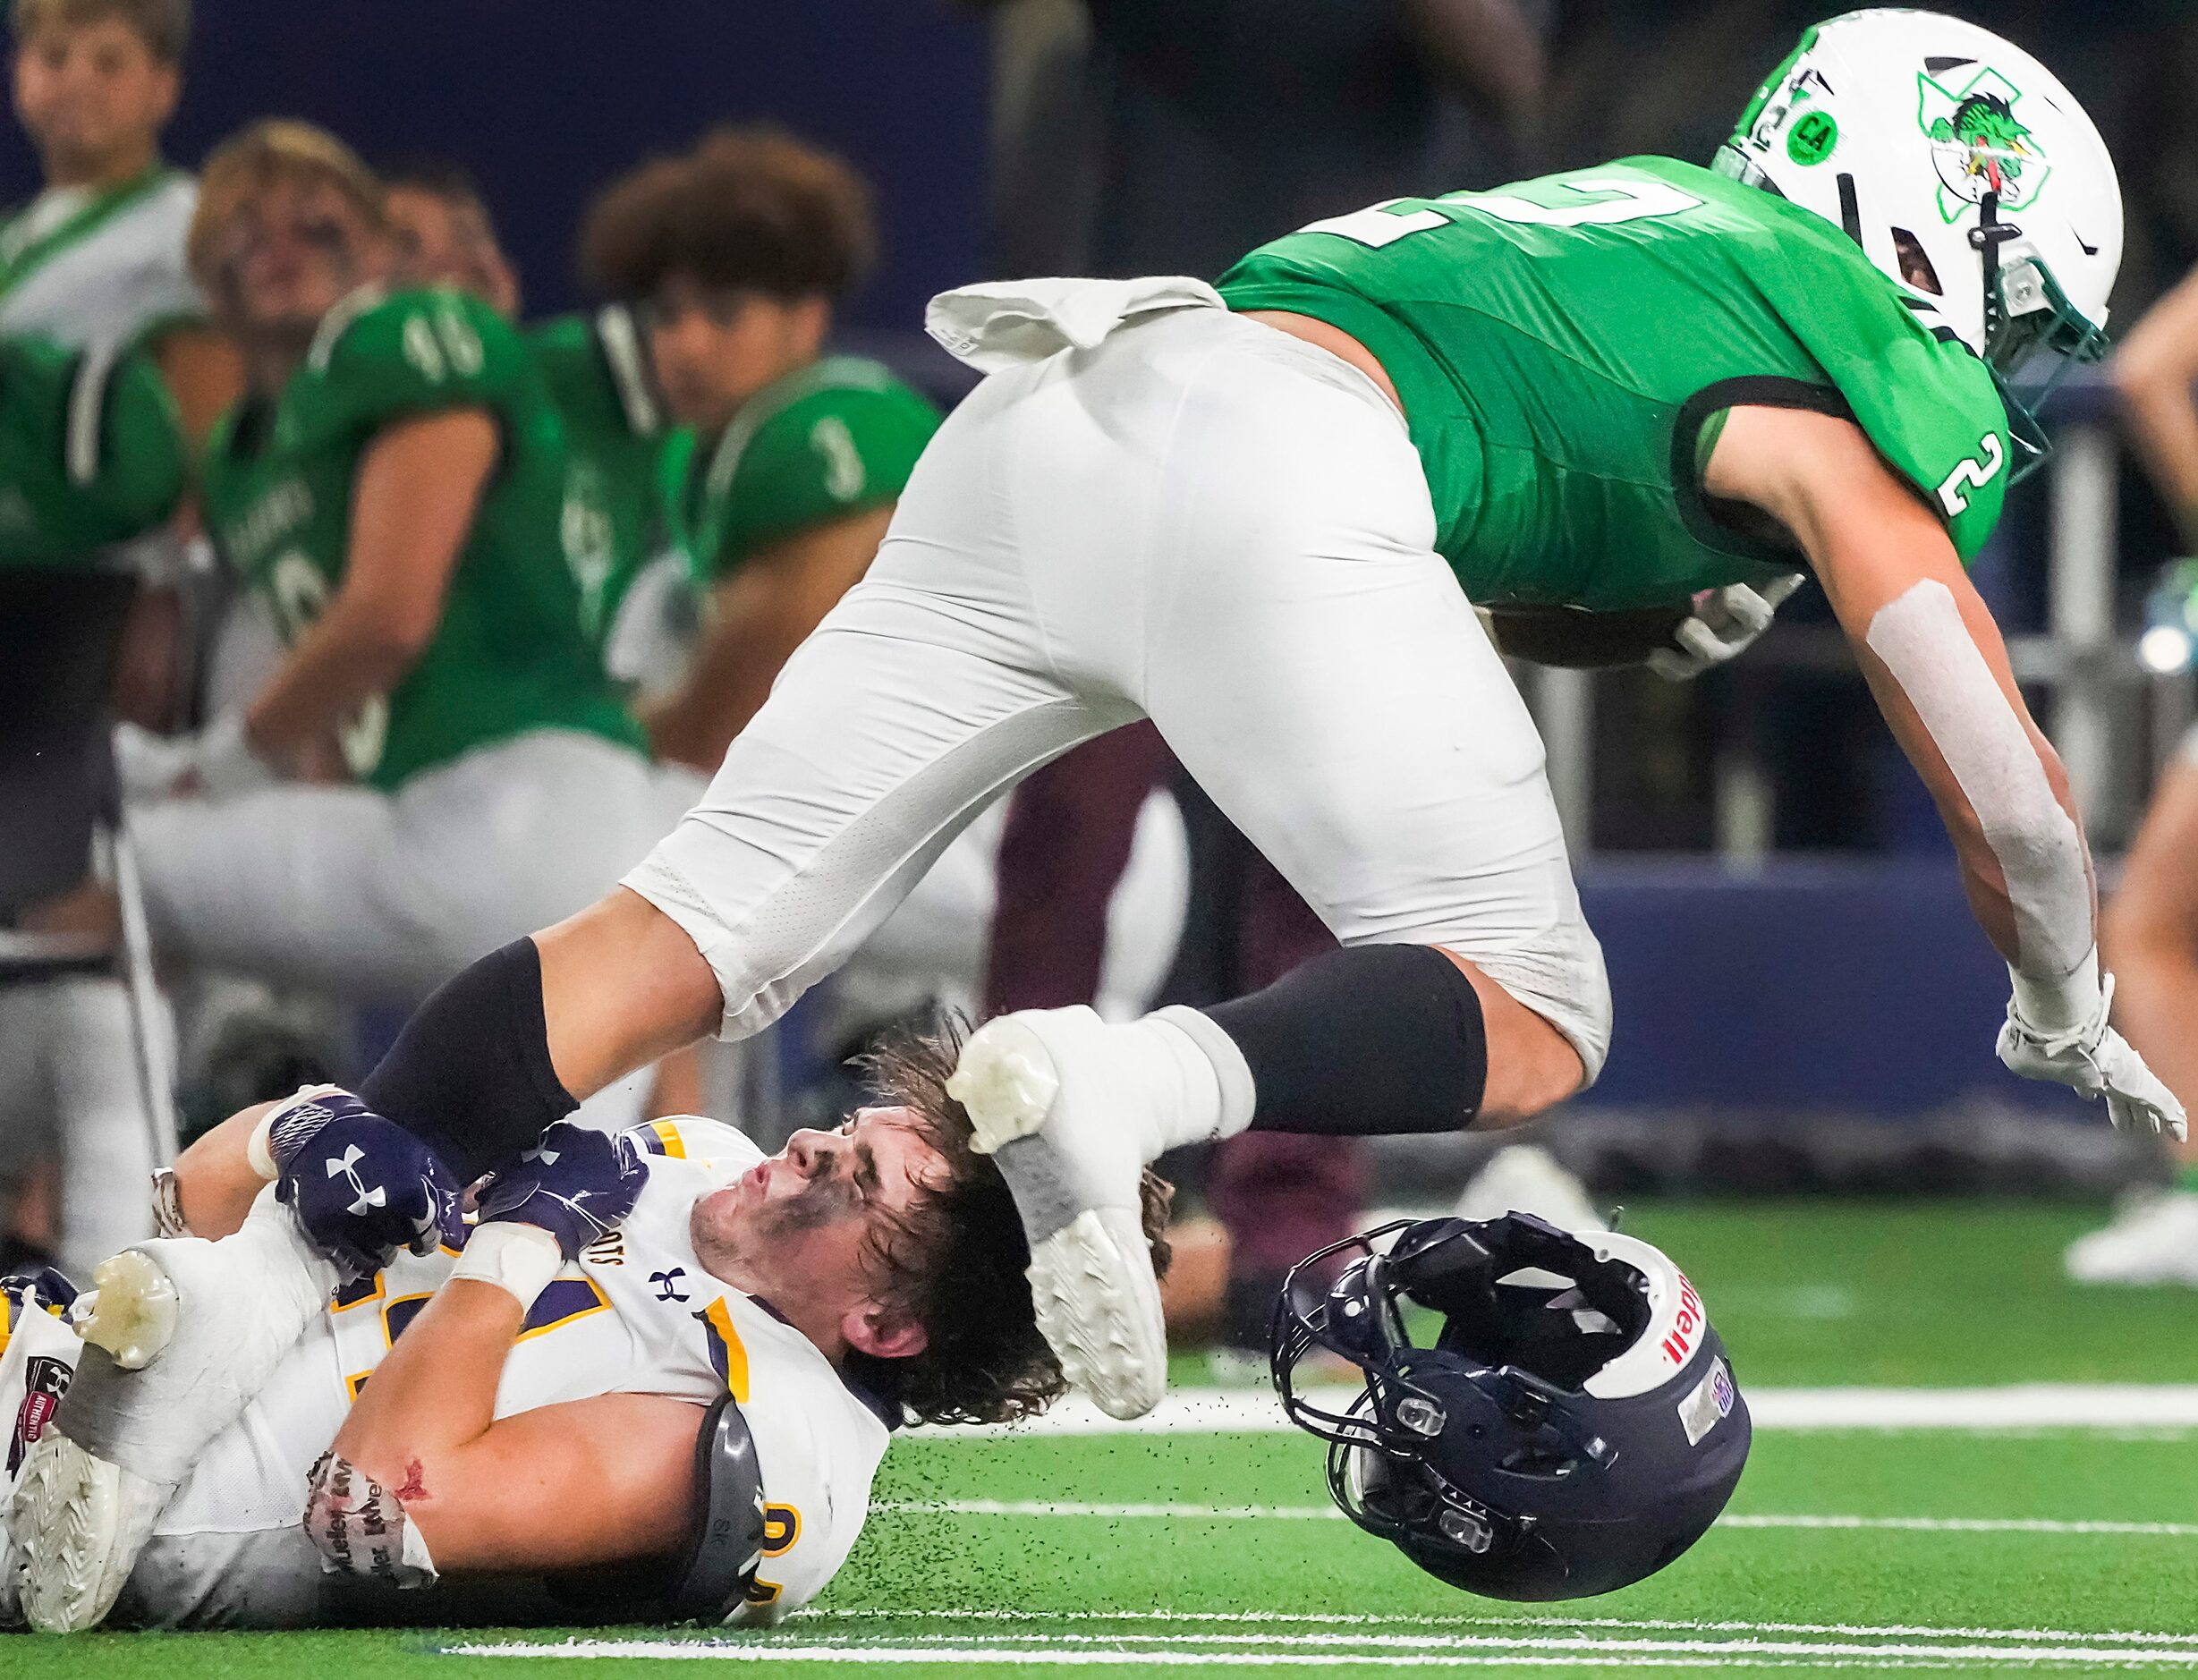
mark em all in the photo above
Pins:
pixel 371 896
pixel 1202 521
pixel 70 1089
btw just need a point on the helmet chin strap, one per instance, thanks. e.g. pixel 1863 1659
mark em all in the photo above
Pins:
pixel 1985 239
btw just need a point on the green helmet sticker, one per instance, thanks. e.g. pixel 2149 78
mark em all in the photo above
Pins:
pixel 1978 143
pixel 1811 140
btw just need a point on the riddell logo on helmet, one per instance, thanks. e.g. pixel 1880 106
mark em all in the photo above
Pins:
pixel 1686 1328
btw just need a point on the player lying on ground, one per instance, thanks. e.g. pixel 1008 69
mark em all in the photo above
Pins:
pixel 1260 517
pixel 503 1429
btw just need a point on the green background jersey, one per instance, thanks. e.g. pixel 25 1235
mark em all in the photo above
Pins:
pixel 832 438
pixel 1558 346
pixel 616 432
pixel 90 452
pixel 509 655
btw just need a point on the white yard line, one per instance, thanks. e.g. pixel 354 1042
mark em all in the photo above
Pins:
pixel 2018 1406
pixel 947 1657
pixel 1550 1618
pixel 1334 1652
pixel 1325 1513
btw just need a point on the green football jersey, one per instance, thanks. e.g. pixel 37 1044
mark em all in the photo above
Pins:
pixel 1559 346
pixel 832 438
pixel 90 454
pixel 615 433
pixel 509 655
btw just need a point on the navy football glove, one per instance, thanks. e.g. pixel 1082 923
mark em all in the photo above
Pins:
pixel 576 1183
pixel 361 1187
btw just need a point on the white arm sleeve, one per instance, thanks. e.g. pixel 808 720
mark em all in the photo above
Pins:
pixel 1925 645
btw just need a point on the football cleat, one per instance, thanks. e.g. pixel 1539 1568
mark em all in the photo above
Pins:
pixel 132 1309
pixel 178 1337
pixel 1035 1084
pixel 2152 1240
pixel 82 1521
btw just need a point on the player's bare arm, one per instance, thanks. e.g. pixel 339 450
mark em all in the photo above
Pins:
pixel 498 1494
pixel 203 373
pixel 755 620
pixel 2148 933
pixel 1935 663
pixel 2154 369
pixel 214 1181
pixel 1872 542
pixel 412 508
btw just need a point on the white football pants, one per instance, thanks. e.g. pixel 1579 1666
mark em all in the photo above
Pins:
pixel 1202 521
pixel 380 897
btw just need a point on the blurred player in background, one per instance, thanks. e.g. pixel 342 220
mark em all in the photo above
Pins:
pixel 90 457
pixel 394 488
pixel 616 431
pixel 734 255
pixel 95 261
pixel 2149 932
pixel 463 1425
pixel 97 256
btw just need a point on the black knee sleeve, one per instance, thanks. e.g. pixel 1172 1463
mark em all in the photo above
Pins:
pixel 471 1076
pixel 1374 1040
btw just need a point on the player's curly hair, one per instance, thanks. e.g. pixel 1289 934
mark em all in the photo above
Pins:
pixel 749 207
pixel 954 1261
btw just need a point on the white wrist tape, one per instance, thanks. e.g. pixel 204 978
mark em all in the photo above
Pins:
pixel 1925 645
pixel 518 1258
pixel 258 1148
pixel 2053 1007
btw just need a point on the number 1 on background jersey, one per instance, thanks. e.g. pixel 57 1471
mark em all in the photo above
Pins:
pixel 1630 202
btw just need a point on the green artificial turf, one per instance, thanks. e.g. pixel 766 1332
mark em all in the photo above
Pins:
pixel 1244 1571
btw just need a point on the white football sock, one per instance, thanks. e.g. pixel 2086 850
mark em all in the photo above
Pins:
pixel 1213 1096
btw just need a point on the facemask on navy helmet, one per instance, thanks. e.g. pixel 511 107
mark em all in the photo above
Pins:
pixel 1542 1415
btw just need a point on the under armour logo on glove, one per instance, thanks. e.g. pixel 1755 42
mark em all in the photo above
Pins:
pixel 576 1184
pixel 362 1187
pixel 348 1165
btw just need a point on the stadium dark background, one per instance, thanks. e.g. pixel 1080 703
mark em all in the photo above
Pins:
pixel 546 102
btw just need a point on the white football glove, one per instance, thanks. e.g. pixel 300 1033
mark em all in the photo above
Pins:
pixel 2094 1060
pixel 218 761
pixel 1724 620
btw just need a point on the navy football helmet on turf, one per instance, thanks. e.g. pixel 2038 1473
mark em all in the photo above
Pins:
pixel 1565 1423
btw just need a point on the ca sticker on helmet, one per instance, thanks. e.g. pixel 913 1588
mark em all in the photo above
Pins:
pixel 1980 145
pixel 1711 1401
pixel 1810 141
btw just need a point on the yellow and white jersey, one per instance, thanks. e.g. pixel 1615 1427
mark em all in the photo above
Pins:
pixel 639 1314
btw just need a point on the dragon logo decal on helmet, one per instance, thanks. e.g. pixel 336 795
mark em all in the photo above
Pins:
pixel 1931 141
pixel 1571 1427
pixel 1978 144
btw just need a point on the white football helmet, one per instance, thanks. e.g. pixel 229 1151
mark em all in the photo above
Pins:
pixel 1965 171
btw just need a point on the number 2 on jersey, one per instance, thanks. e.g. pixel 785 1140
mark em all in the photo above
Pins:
pixel 1630 202
pixel 1972 474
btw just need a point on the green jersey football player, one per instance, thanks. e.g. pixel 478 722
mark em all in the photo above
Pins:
pixel 735 256
pixel 395 490
pixel 1259 517
pixel 616 433
pixel 89 454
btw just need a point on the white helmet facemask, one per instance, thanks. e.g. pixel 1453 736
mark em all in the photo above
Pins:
pixel 1967 173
